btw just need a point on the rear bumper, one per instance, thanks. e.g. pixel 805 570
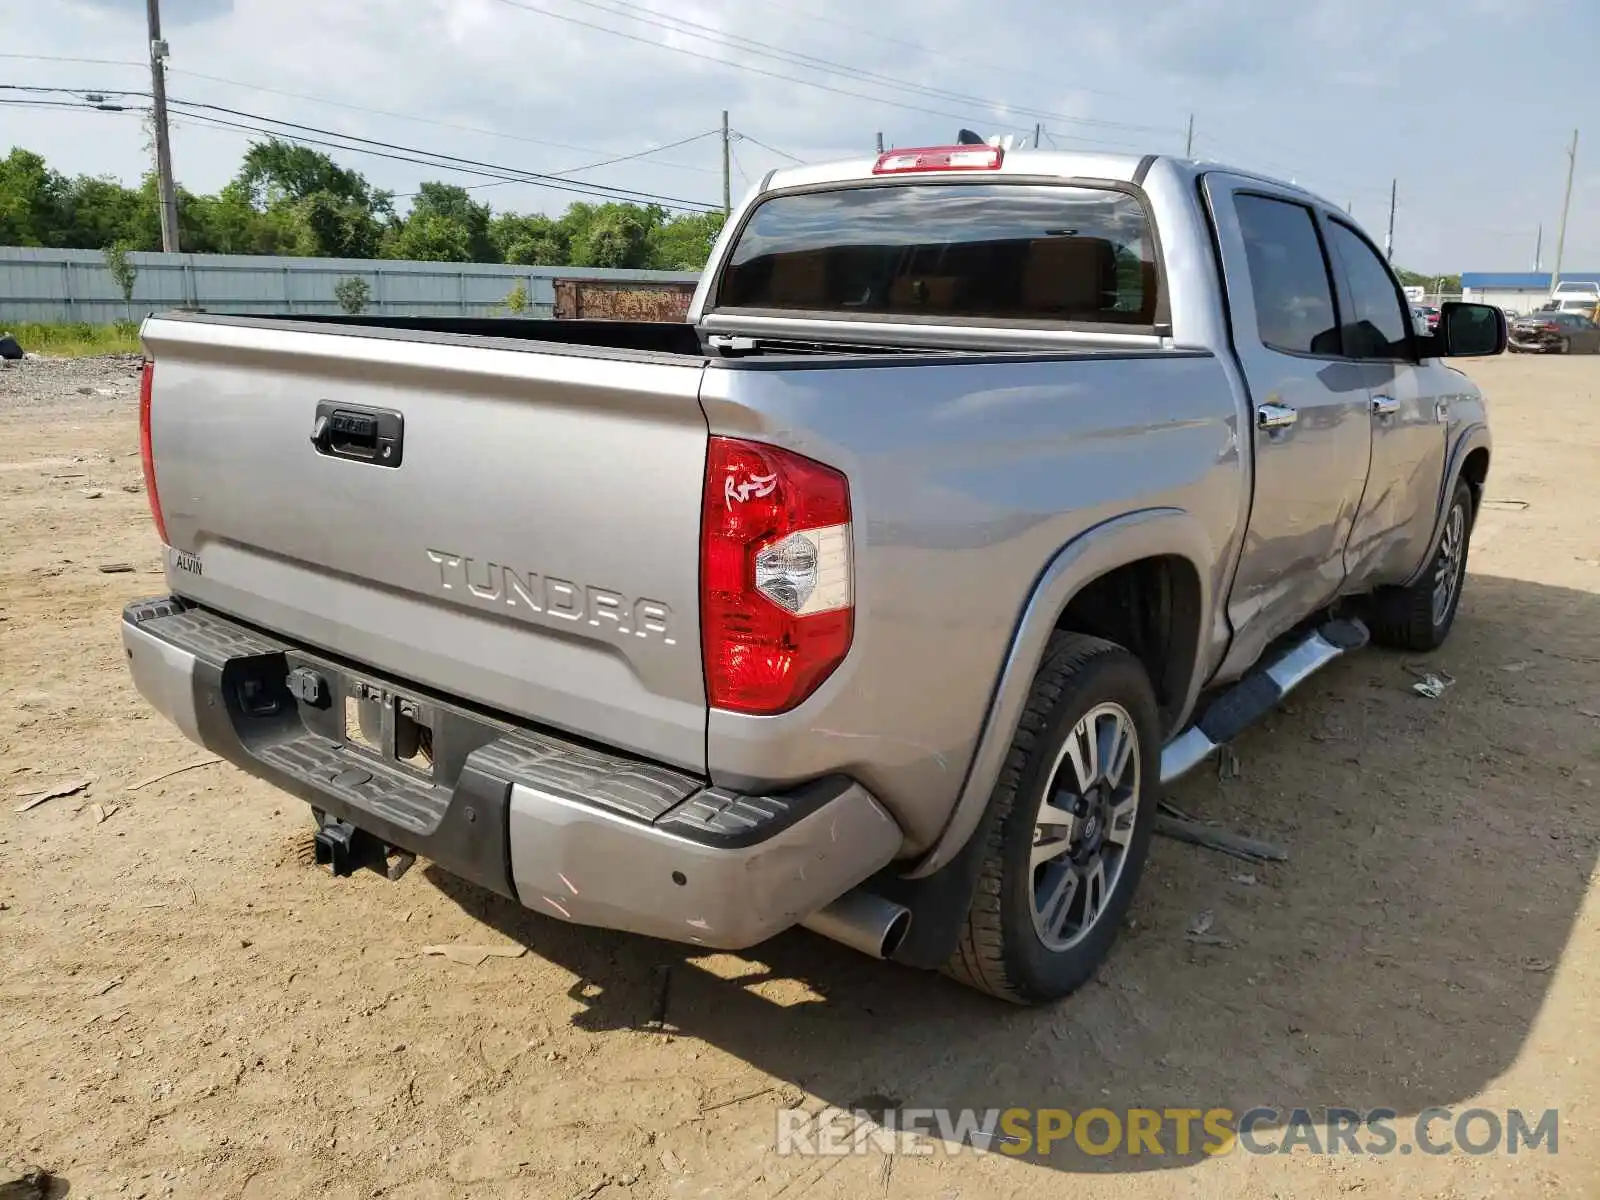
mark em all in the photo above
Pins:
pixel 570 830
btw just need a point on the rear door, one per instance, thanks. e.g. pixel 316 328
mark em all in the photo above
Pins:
pixel 511 524
pixel 1312 435
pixel 1410 408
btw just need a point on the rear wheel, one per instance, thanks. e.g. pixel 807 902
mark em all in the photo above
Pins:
pixel 1069 828
pixel 1419 617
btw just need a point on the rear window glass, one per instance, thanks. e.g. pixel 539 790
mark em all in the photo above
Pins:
pixel 1002 251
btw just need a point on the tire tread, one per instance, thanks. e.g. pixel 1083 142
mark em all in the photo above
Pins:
pixel 1402 618
pixel 979 959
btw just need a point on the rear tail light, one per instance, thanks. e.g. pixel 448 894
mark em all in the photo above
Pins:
pixel 939 158
pixel 146 455
pixel 776 587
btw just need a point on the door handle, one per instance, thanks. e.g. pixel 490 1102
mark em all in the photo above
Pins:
pixel 357 433
pixel 1385 406
pixel 1275 416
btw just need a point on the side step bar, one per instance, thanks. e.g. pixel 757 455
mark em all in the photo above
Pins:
pixel 1257 694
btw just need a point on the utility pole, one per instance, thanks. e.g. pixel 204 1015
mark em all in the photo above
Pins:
pixel 880 141
pixel 158 93
pixel 1038 135
pixel 1566 203
pixel 1538 248
pixel 1388 242
pixel 727 180
pixel 1188 142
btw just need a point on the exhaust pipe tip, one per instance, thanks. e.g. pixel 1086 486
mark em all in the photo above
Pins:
pixel 863 921
pixel 895 934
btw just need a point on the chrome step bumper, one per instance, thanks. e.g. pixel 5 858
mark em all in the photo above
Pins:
pixel 567 829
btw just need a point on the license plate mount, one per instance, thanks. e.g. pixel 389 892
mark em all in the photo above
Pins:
pixel 390 725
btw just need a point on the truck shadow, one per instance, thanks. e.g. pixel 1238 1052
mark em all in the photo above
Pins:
pixel 1440 851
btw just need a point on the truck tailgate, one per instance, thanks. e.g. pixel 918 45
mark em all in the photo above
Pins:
pixel 535 550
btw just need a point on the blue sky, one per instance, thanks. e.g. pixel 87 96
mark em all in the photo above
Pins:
pixel 1470 104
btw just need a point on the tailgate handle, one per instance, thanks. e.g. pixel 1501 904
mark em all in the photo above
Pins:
pixel 357 433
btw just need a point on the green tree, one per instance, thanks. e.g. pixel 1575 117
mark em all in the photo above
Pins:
pixel 327 226
pixel 274 171
pixel 1445 283
pixel 429 237
pixel 610 235
pixel 684 242
pixel 445 225
pixel 96 212
pixel 288 199
pixel 123 272
pixel 534 240
pixel 30 200
pixel 353 295
pixel 227 223
pixel 516 302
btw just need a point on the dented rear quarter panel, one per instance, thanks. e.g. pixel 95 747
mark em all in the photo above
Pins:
pixel 967 477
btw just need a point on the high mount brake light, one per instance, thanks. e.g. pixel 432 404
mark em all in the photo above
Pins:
pixel 147 461
pixel 939 158
pixel 776 589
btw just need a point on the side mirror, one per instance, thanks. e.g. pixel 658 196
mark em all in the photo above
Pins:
pixel 1468 331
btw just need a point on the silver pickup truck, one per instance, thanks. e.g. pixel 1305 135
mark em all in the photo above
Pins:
pixel 983 493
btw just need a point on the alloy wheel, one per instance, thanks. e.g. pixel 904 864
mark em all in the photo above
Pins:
pixel 1084 827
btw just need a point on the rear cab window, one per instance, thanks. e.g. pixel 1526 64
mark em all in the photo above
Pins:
pixel 1046 253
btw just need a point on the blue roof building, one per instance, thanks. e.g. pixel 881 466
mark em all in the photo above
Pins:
pixel 1517 291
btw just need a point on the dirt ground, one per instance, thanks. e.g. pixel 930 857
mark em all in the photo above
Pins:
pixel 188 1009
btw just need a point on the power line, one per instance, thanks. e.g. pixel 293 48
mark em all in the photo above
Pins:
pixel 432 158
pixel 399 116
pixel 811 83
pixel 507 174
pixel 621 158
pixel 626 9
pixel 99 62
pixel 603 163
pixel 531 176
pixel 771 149
pixel 303 140
pixel 76 106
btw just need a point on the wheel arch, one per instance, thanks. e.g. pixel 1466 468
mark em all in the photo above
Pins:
pixel 1079 590
pixel 1469 460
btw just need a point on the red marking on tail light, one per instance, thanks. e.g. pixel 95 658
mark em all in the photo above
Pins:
pixel 776 588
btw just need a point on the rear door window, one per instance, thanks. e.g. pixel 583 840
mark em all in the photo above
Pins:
pixel 1288 276
pixel 1017 252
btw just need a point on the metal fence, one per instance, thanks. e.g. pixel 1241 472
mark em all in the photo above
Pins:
pixel 74 285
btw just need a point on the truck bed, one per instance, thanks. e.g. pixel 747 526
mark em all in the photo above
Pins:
pixel 660 337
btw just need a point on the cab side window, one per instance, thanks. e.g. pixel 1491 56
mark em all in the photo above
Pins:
pixel 1288 276
pixel 1378 327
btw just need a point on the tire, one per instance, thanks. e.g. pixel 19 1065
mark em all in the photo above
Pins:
pixel 1016 944
pixel 1419 617
pixel 1564 346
